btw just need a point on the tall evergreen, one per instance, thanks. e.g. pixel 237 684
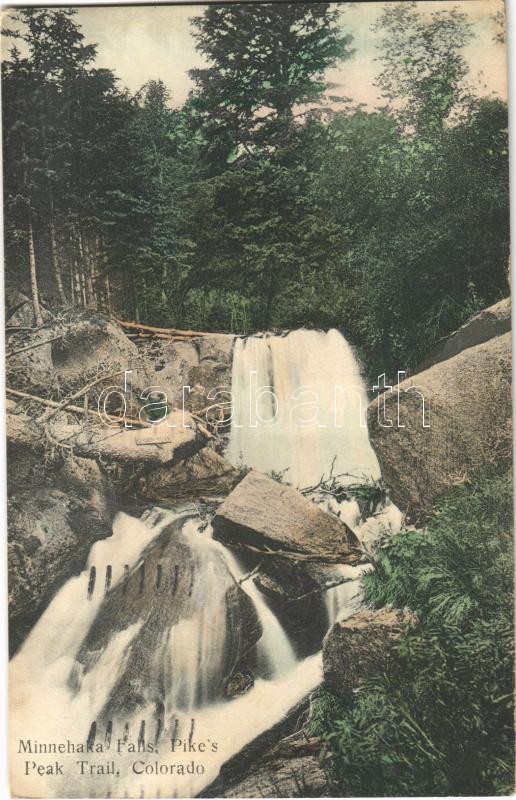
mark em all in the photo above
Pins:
pixel 265 60
pixel 257 204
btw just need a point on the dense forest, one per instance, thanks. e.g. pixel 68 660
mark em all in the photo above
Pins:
pixel 264 201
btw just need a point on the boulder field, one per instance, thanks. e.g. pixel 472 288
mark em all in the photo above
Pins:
pixel 67 476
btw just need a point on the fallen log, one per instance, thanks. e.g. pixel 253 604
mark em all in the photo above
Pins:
pixel 151 329
pixel 112 445
pixel 34 345
pixel 168 336
pixel 76 409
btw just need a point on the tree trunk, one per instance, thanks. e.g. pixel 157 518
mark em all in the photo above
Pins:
pixel 72 287
pixel 33 278
pixel 55 259
pixel 75 266
pixel 82 269
pixel 94 263
pixel 87 269
pixel 144 296
pixel 136 308
pixel 271 291
pixel 108 294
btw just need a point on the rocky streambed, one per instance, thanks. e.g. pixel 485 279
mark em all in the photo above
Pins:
pixel 293 555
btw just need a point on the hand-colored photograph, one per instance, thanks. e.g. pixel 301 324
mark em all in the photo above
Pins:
pixel 258 400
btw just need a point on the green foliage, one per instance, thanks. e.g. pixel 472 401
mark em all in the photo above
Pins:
pixel 375 223
pixel 418 221
pixel 368 495
pixel 424 64
pixel 442 722
pixel 64 126
pixel 256 205
pixel 262 57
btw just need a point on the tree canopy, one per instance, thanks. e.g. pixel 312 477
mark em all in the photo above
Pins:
pixel 260 202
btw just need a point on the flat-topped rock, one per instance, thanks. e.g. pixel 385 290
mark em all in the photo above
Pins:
pixel 362 647
pixel 270 516
pixel 167 443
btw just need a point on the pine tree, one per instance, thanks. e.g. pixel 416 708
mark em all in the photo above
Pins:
pixel 265 60
pixel 62 121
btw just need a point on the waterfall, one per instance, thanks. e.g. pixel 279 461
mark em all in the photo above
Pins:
pixel 134 651
pixel 271 375
pixel 275 653
pixel 273 432
pixel 187 658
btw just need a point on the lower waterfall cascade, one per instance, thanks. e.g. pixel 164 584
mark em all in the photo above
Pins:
pixel 187 658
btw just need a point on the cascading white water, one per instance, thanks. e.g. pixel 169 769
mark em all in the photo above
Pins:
pixel 271 376
pixel 190 656
pixel 186 658
pixel 280 434
pixel 276 655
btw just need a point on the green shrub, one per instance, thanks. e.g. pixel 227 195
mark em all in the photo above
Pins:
pixel 442 722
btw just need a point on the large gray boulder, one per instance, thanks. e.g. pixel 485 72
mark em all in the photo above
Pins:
pixel 178 581
pixel 490 322
pixel 167 364
pixel 95 344
pixel 202 363
pixel 63 356
pixel 468 400
pixel 268 516
pixel 56 511
pixel 361 647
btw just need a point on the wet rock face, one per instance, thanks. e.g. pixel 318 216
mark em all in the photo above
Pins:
pixel 194 625
pixel 292 768
pixel 361 647
pixel 266 515
pixel 281 762
pixel 293 593
pixel 55 513
pixel 469 413
pixel 239 683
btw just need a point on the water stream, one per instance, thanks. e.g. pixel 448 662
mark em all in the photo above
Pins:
pixel 130 655
pixel 300 406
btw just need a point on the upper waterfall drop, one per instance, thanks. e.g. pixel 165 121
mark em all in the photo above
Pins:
pixel 299 407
